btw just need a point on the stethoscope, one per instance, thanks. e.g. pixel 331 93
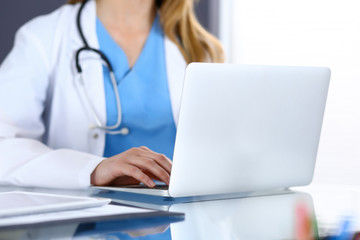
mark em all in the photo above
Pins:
pixel 86 47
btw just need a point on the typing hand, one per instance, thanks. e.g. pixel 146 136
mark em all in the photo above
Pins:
pixel 132 167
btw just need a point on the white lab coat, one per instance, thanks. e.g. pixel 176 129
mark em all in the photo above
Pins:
pixel 45 139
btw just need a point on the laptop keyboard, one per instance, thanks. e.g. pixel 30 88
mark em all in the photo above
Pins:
pixel 159 187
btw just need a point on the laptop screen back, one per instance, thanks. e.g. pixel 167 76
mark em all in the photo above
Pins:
pixel 247 128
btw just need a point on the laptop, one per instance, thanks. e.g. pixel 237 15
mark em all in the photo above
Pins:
pixel 245 128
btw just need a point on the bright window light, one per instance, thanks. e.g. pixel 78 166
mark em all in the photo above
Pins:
pixel 308 33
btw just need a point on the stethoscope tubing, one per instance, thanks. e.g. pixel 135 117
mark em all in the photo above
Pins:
pixel 86 47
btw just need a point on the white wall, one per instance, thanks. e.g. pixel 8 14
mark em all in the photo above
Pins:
pixel 314 33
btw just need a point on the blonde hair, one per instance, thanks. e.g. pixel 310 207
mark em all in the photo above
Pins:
pixel 181 26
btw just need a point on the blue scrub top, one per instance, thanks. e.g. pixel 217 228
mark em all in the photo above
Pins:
pixel 144 95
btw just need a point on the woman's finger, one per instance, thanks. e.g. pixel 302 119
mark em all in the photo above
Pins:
pixel 136 173
pixel 151 166
pixel 160 159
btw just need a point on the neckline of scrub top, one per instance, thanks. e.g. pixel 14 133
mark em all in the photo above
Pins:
pixel 149 79
pixel 125 68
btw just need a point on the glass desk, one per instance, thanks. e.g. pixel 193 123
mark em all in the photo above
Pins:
pixel 304 213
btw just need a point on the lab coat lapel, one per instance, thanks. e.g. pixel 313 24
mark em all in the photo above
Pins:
pixel 92 76
pixel 91 62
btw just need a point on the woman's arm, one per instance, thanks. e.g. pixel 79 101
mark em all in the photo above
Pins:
pixel 24 159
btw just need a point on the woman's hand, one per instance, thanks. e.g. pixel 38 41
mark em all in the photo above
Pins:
pixel 132 167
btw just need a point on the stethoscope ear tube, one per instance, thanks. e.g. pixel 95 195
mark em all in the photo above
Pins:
pixel 78 23
pixel 86 45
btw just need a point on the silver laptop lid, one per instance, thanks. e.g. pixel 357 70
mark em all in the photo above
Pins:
pixel 247 128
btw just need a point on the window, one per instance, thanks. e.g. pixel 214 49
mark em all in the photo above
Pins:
pixel 309 33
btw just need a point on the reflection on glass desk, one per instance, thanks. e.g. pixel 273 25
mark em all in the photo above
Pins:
pixel 139 229
pixel 311 213
pixel 264 217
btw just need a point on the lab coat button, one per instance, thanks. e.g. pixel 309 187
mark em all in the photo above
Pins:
pixel 125 131
pixel 95 136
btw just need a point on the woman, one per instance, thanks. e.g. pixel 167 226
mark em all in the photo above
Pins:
pixel 61 122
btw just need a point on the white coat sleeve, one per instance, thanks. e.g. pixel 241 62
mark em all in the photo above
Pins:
pixel 24 159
